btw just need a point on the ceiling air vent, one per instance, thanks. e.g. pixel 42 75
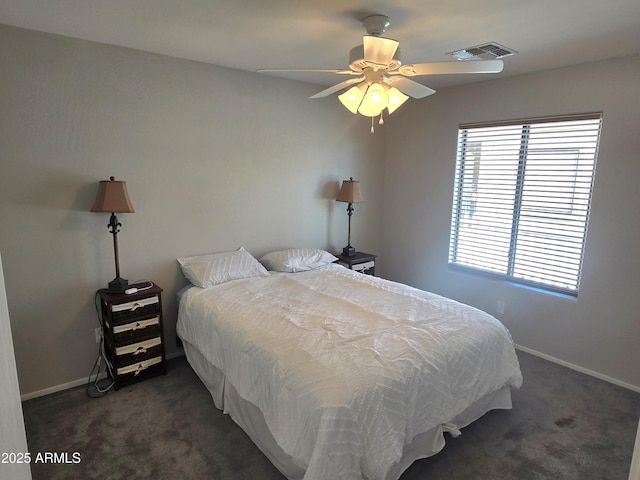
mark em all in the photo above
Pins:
pixel 487 51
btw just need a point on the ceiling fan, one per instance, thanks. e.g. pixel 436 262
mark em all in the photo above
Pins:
pixel 380 78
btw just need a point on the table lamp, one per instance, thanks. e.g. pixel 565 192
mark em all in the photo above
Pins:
pixel 350 193
pixel 113 198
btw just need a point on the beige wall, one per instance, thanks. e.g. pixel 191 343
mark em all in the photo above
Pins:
pixel 600 331
pixel 214 158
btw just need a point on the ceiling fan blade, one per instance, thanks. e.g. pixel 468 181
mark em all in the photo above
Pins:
pixel 277 70
pixel 444 68
pixel 409 87
pixel 338 87
pixel 379 50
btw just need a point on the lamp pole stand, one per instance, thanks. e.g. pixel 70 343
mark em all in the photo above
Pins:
pixel 118 284
pixel 349 251
pixel 349 193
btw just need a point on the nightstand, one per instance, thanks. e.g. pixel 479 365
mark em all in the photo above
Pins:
pixel 360 262
pixel 132 334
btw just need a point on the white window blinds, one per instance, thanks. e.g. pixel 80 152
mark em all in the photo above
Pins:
pixel 522 197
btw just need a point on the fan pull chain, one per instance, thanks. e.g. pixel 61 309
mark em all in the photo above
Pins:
pixel 372 130
pixel 381 121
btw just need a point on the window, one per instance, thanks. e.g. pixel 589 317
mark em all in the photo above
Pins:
pixel 522 197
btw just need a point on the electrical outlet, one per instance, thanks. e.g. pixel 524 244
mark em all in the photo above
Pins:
pixel 500 307
pixel 98 334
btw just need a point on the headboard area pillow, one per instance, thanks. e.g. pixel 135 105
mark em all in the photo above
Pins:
pixel 209 270
pixel 297 259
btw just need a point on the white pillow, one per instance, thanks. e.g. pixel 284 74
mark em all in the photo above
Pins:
pixel 209 270
pixel 296 259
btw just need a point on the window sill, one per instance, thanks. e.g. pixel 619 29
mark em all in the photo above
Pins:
pixel 509 281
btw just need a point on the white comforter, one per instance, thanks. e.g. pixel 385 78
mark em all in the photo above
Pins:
pixel 347 368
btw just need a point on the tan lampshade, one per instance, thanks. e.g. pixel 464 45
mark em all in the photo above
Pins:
pixel 112 197
pixel 350 192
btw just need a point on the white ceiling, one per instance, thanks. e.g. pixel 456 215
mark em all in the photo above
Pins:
pixel 252 34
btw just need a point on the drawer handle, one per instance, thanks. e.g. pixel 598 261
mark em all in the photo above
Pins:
pixel 140 350
pixel 139 369
pixel 135 305
pixel 137 326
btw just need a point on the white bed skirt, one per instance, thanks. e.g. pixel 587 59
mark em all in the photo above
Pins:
pixel 251 420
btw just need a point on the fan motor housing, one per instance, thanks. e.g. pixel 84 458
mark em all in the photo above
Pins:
pixel 357 63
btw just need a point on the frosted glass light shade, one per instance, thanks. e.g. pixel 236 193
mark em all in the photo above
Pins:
pixel 396 98
pixel 374 101
pixel 351 98
pixel 371 100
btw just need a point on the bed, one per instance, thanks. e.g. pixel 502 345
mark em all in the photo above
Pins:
pixel 336 374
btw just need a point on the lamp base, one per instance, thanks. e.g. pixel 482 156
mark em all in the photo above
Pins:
pixel 348 251
pixel 118 285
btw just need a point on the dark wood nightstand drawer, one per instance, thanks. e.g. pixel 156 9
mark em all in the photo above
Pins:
pixel 365 267
pixel 141 370
pixel 136 368
pixel 139 308
pixel 137 352
pixel 360 262
pixel 129 332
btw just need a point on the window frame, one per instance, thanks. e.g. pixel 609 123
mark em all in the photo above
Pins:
pixel 469 156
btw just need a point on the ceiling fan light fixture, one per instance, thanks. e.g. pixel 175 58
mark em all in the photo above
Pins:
pixel 375 101
pixel 352 98
pixel 396 99
pixel 371 100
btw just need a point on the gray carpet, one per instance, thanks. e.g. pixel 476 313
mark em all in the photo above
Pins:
pixel 564 425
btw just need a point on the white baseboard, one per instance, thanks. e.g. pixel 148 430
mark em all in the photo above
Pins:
pixel 577 368
pixel 77 383
pixel 56 388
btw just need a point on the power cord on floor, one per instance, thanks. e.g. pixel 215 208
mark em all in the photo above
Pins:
pixel 94 389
